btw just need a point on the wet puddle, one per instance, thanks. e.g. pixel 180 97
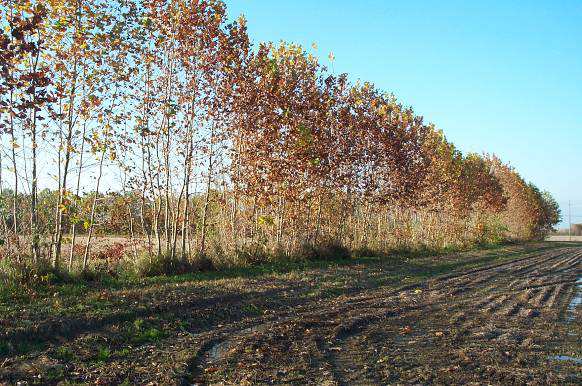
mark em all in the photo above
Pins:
pixel 566 358
pixel 575 301
pixel 570 316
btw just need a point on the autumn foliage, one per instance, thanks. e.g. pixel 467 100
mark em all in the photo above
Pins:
pixel 161 120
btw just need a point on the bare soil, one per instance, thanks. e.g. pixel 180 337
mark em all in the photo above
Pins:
pixel 494 317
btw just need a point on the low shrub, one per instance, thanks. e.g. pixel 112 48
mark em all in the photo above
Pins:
pixel 97 273
pixel 251 255
pixel 326 250
pixel 27 272
pixel 146 265
pixel 111 253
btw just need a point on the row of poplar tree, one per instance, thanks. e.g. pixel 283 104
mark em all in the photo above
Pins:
pixel 219 147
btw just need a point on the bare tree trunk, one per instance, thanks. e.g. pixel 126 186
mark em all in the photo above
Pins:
pixel 185 221
pixel 175 221
pixel 158 210
pixel 92 216
pixel 59 179
pixel 77 192
pixel 185 213
pixel 168 99
pixel 131 233
pixel 35 247
pixel 318 220
pixel 207 196
pixel 145 231
pixel 280 221
pixel 146 157
pixel 158 199
pixel 155 226
pixel 15 167
pixel 235 191
pixel 255 218
pixel 4 223
pixel 205 209
pixel 68 151
pixel 167 211
pixel 233 221
pixel 34 198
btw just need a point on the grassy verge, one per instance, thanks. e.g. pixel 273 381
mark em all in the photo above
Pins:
pixel 34 283
pixel 36 315
pixel 404 264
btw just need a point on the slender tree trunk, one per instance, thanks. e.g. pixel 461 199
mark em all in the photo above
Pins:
pixel 158 210
pixel 4 222
pixel 233 221
pixel 205 209
pixel 175 217
pixel 59 179
pixel 77 193
pixel 167 211
pixel 158 199
pixel 131 233
pixel 146 158
pixel 35 247
pixel 142 210
pixel 15 171
pixel 235 193
pixel 207 195
pixel 280 221
pixel 185 213
pixel 318 220
pixel 14 164
pixel 34 198
pixel 185 221
pixel 155 225
pixel 68 151
pixel 92 216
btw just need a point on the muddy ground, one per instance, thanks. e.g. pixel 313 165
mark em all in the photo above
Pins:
pixel 498 316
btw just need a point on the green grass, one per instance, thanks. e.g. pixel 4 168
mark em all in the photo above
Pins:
pixel 77 285
pixel 64 354
pixel 4 348
pixel 141 332
pixel 103 354
pixel 252 309
pixel 123 353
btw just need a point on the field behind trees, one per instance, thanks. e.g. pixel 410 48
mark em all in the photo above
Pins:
pixel 160 121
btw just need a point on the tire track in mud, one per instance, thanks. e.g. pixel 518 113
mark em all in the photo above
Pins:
pixel 522 300
pixel 498 303
pixel 520 306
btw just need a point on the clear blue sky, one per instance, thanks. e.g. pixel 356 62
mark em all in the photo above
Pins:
pixel 503 77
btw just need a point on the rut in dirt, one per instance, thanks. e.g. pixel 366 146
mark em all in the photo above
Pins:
pixel 497 323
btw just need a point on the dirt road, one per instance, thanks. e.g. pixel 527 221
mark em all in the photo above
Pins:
pixel 505 320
